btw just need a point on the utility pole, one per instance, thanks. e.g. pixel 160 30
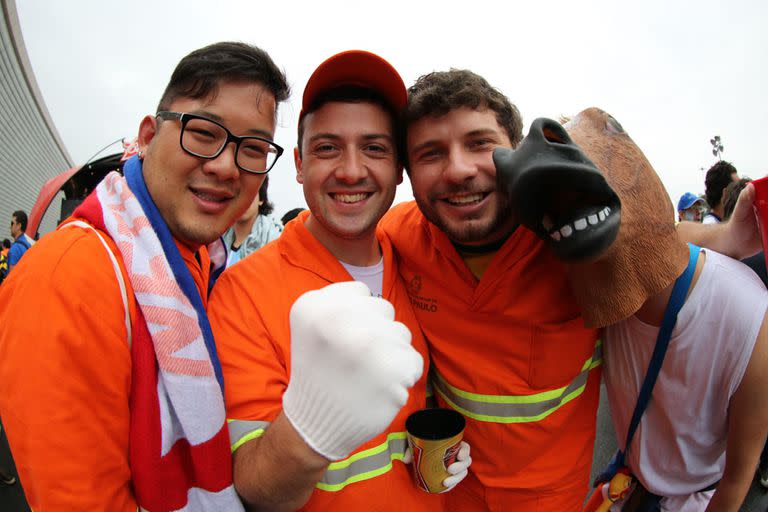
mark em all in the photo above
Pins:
pixel 717 147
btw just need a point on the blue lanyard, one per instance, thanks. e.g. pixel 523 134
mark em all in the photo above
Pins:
pixel 676 300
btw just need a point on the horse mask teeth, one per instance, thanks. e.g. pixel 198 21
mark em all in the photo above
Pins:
pixel 557 189
pixel 612 220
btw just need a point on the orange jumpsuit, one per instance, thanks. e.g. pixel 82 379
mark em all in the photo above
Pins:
pixel 511 353
pixel 65 368
pixel 249 311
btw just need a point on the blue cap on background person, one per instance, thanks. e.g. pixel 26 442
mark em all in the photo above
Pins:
pixel 687 200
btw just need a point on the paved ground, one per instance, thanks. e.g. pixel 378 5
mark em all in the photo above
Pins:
pixel 12 497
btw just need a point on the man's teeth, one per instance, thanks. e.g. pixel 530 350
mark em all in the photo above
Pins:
pixel 465 199
pixel 350 198
pixel 577 225
pixel 209 197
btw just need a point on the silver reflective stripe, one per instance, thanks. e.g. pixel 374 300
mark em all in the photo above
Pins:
pixel 364 465
pixel 118 273
pixel 516 409
pixel 241 431
pixel 360 466
pixel 430 400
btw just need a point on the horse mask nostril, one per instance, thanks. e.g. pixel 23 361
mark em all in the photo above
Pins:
pixel 558 193
pixel 555 133
pixel 552 136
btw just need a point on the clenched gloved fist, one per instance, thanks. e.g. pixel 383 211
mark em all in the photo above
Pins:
pixel 351 368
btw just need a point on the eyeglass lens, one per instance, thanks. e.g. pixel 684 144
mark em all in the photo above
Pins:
pixel 205 138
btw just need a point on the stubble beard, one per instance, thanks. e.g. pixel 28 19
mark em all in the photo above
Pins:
pixel 469 231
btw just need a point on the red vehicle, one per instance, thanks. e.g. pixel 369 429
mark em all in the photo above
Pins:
pixel 75 183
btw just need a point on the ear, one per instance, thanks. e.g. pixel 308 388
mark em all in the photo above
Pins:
pixel 723 197
pixel 399 174
pixel 147 131
pixel 297 162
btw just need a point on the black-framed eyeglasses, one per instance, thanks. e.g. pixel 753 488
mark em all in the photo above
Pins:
pixel 205 138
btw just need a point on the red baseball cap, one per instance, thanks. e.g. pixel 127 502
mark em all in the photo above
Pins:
pixel 359 68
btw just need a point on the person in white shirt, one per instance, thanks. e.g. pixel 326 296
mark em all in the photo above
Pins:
pixel 699 439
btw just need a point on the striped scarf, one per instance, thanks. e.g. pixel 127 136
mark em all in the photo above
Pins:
pixel 179 445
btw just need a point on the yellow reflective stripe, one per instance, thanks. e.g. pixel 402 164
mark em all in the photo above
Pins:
pixel 360 466
pixel 364 465
pixel 241 431
pixel 596 359
pixel 521 408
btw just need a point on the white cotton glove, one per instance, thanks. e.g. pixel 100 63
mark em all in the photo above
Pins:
pixel 351 368
pixel 458 470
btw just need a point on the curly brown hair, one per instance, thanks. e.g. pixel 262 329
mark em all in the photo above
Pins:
pixel 439 92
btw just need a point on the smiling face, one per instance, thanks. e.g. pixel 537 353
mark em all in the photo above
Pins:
pixel 348 168
pixel 454 178
pixel 200 198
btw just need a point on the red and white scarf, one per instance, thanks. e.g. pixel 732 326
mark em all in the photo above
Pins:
pixel 179 444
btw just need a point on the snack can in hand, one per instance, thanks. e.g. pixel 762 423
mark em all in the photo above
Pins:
pixel 434 436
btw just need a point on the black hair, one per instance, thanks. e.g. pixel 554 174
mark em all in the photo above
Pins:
pixel 21 218
pixel 199 74
pixel 266 207
pixel 718 177
pixel 290 215
pixel 732 192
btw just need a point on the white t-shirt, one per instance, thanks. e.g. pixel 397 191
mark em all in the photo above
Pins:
pixel 710 219
pixel 679 446
pixel 372 276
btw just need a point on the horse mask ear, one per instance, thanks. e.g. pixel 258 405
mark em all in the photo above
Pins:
pixel 590 192
pixel 647 255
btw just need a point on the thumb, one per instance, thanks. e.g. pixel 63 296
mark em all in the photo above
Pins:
pixel 746 199
pixel 408 456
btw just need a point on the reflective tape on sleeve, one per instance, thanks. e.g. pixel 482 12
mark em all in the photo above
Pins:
pixel 359 466
pixel 520 408
pixel 241 431
pixel 364 465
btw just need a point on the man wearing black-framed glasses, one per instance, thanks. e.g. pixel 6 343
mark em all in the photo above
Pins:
pixel 215 174
pixel 116 300
pixel 205 138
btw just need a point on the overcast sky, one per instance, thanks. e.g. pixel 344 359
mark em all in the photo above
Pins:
pixel 674 73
